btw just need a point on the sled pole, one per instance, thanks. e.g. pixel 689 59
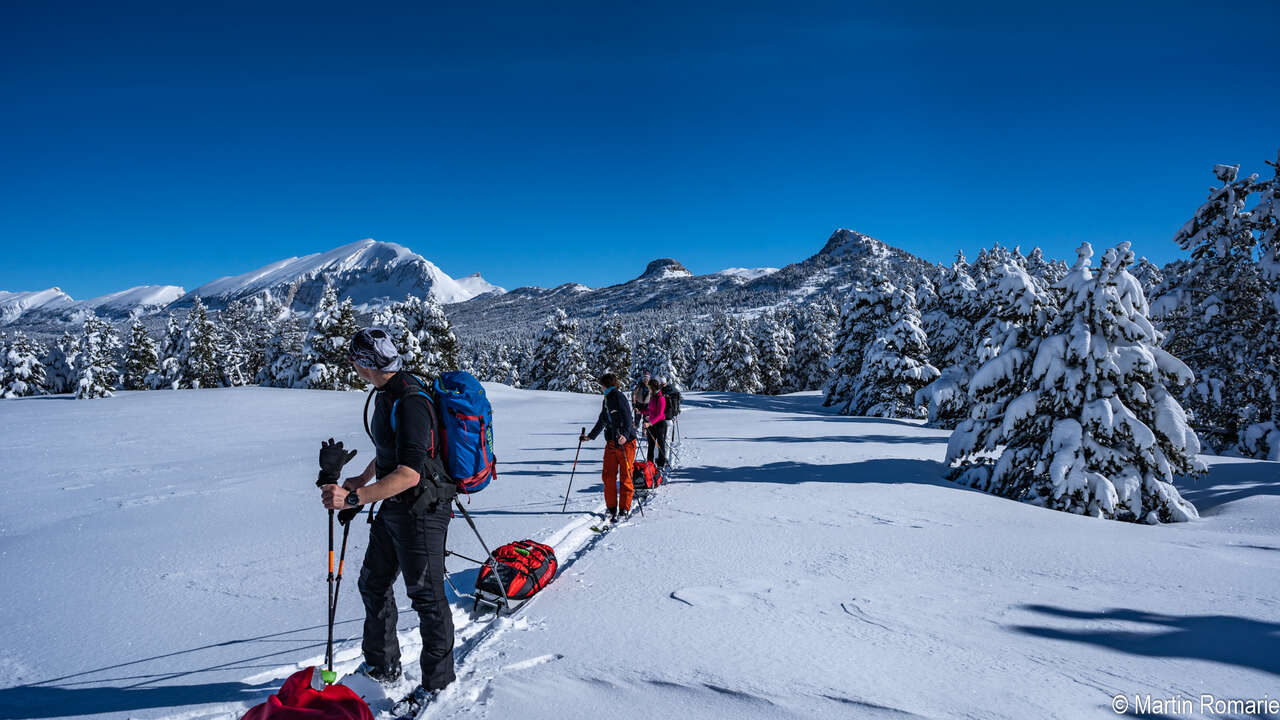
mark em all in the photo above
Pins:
pixel 575 469
pixel 506 601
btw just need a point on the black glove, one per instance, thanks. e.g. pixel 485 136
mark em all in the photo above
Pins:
pixel 345 516
pixel 332 458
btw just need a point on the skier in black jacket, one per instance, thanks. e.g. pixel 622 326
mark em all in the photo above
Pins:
pixel 620 447
pixel 408 535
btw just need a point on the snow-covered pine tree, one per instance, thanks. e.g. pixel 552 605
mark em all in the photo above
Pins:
pixel 282 356
pixel 1095 431
pixel 950 328
pixel 21 367
pixel 815 343
pixel 734 366
pixel 436 326
pixel 608 349
pixel 245 327
pixel 394 319
pixel 704 360
pixel 1019 318
pixel 1262 438
pixel 1148 274
pixel 896 365
pixel 1048 272
pixel 96 372
pixel 505 369
pixel 1211 312
pixel 864 313
pixel 558 362
pixel 324 353
pixel 141 359
pixel 60 364
pixel 168 373
pixel 678 345
pixel 199 354
pixel 774 346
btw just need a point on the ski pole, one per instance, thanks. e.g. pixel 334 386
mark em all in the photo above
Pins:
pixel 328 651
pixel 575 469
pixel 329 676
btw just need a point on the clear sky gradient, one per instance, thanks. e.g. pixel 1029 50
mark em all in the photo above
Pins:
pixel 546 143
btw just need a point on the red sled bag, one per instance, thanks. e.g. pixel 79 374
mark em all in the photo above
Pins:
pixel 297 700
pixel 525 567
pixel 645 476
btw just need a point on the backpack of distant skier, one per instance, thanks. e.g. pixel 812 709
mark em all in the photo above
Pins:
pixel 524 567
pixel 645 475
pixel 673 400
pixel 465 421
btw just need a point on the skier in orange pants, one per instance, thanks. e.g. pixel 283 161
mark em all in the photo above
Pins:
pixel 620 447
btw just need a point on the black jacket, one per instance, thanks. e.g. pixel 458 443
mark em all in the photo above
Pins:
pixel 414 442
pixel 615 418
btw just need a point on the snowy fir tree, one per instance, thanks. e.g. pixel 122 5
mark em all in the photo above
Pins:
pixel 199 353
pixel 896 364
pixel 245 327
pixel 1019 319
pixel 1094 430
pixel 168 373
pixel 774 346
pixel 1149 276
pixel 324 353
pixel 141 359
pixel 704 356
pixel 950 327
pixel 22 370
pixel 652 355
pixel 60 364
pixel 608 350
pixel 1216 309
pixel 864 314
pixel 96 372
pixel 282 356
pixel 815 342
pixel 1047 272
pixel 558 362
pixel 504 369
pixel 734 366
pixel 1262 438
pixel 395 321
pixel 677 342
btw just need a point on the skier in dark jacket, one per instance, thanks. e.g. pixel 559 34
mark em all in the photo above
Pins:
pixel 408 535
pixel 620 447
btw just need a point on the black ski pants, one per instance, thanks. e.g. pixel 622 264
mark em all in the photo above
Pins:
pixel 401 542
pixel 658 437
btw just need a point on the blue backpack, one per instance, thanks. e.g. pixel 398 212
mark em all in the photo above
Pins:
pixel 465 421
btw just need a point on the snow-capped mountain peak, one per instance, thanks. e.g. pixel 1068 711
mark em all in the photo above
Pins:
pixel 477 285
pixel 369 272
pixel 664 269
pixel 850 242
pixel 15 304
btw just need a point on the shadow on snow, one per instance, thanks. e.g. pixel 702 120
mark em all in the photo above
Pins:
pixel 1231 481
pixel 1240 641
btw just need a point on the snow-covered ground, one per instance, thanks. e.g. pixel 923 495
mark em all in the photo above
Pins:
pixel 163 555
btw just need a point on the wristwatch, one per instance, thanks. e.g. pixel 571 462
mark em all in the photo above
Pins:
pixel 352 500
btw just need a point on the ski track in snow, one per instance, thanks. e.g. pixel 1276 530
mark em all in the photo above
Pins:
pixel 800 565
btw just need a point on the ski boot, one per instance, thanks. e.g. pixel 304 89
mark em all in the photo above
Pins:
pixel 382 676
pixel 413 703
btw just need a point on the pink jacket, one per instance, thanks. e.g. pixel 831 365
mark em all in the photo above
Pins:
pixel 657 410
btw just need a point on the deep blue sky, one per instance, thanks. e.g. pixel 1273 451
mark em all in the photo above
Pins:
pixel 542 144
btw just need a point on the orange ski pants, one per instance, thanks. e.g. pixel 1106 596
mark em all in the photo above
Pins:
pixel 618 464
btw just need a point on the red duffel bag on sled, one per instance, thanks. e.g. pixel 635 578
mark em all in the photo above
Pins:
pixel 297 700
pixel 524 567
pixel 645 476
